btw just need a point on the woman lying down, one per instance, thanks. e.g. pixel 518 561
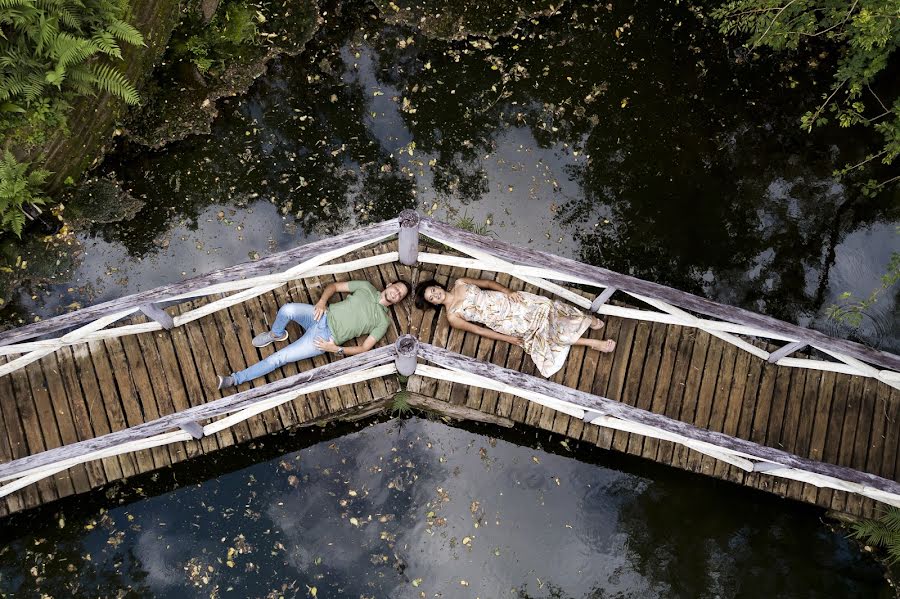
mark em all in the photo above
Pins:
pixel 544 327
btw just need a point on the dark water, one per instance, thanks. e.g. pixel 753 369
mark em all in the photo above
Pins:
pixel 629 136
pixel 658 151
pixel 414 508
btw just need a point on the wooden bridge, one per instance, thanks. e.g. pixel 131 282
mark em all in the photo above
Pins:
pixel 692 383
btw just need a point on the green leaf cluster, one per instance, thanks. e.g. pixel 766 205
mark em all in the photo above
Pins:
pixel 865 33
pixel 51 46
pixel 18 188
pixel 233 27
pixel 883 532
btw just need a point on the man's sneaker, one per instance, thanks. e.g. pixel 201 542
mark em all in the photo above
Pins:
pixel 226 381
pixel 267 338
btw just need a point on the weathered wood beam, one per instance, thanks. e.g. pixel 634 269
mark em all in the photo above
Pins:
pixel 408 237
pixel 154 312
pixel 265 266
pixel 226 405
pixel 688 301
pixel 602 298
pixel 445 408
pixel 786 351
pixel 458 362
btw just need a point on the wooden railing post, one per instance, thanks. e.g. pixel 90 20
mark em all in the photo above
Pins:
pixel 407 355
pixel 408 238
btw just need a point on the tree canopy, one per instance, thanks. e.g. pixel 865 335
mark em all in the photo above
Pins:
pixel 865 33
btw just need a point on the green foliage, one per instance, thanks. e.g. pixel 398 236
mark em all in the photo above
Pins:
pixel 52 46
pixel 467 223
pixel 852 309
pixel 400 405
pixel 865 33
pixel 883 532
pixel 18 187
pixel 28 129
pixel 232 28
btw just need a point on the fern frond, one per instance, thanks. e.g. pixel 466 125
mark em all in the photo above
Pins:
pixel 105 41
pixel 48 31
pixel 111 80
pixel 891 518
pixel 68 49
pixel 8 4
pixel 125 32
pixel 14 220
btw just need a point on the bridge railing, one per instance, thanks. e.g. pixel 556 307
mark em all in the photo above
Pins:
pixel 408 357
pixel 541 269
pixel 672 306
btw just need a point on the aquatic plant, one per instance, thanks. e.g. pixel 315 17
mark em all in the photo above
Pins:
pixel 883 532
pixel 851 308
pixel 18 188
pixel 52 46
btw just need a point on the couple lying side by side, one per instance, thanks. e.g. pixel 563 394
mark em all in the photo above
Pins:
pixel 545 328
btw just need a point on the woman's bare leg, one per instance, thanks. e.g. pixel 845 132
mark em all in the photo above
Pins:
pixel 601 345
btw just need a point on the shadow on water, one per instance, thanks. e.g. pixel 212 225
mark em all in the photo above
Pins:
pixel 380 509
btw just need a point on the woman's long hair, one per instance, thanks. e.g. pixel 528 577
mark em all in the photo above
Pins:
pixel 421 302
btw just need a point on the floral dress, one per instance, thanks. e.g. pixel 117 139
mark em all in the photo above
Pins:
pixel 547 327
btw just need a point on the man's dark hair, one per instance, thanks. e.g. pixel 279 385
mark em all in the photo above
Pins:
pixel 421 302
pixel 405 284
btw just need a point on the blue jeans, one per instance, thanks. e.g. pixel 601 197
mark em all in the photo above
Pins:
pixel 301 349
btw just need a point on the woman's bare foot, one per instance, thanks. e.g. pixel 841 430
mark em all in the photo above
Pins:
pixel 596 323
pixel 602 345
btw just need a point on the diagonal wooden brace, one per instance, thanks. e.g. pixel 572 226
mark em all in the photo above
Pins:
pixel 192 428
pixel 786 351
pixel 602 298
pixel 153 311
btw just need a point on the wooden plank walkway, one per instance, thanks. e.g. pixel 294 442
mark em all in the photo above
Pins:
pixel 87 390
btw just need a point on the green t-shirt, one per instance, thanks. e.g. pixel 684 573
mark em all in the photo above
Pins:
pixel 359 314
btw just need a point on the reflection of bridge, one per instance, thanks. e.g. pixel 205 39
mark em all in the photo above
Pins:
pixel 692 383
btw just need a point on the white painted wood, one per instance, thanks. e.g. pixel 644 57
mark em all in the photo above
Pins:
pixel 495 266
pixel 602 298
pixel 270 402
pixel 468 378
pixel 785 351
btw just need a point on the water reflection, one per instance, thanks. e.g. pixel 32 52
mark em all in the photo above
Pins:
pixel 397 509
pixel 626 137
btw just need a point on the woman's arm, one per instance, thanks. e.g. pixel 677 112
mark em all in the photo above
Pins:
pixel 460 323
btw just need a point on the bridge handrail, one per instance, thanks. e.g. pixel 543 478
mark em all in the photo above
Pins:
pixel 403 357
pixel 496 255
pixel 532 266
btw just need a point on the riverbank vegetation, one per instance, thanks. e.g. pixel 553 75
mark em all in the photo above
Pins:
pixel 862 91
pixel 51 52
